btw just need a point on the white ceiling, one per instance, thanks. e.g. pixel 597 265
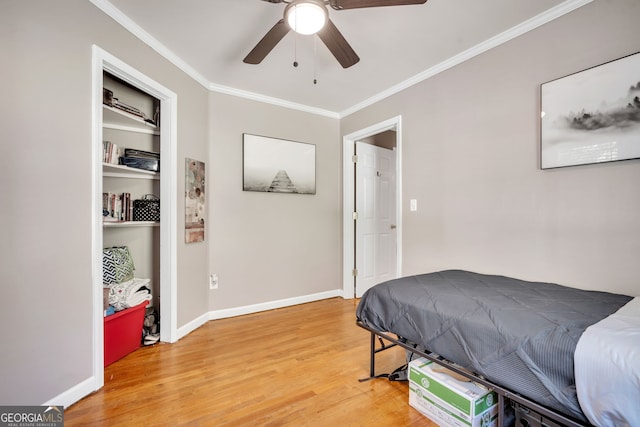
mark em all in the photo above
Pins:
pixel 397 45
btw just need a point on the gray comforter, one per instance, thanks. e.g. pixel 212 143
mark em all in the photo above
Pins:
pixel 517 334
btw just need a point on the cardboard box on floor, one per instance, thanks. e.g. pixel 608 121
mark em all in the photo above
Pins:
pixel 450 402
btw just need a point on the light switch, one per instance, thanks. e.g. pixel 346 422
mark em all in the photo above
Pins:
pixel 413 205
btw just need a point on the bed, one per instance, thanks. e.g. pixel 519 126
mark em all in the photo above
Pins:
pixel 515 336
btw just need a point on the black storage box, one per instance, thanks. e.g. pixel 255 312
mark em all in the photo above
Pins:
pixel 139 159
pixel 142 163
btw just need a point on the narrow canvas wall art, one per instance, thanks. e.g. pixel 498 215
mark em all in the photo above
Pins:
pixel 278 165
pixel 194 201
pixel 592 116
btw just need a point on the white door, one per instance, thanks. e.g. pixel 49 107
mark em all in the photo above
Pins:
pixel 376 238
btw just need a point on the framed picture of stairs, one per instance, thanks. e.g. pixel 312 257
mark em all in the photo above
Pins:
pixel 275 165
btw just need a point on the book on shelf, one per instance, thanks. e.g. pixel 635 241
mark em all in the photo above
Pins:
pixel 117 207
pixel 111 153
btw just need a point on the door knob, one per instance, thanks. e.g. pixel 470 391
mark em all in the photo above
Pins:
pixel 393 226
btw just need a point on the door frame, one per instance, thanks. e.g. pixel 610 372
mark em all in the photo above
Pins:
pixel 104 61
pixel 348 199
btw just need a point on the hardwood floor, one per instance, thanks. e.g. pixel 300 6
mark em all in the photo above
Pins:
pixel 295 366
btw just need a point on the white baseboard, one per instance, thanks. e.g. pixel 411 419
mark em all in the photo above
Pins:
pixel 256 308
pixel 192 326
pixel 88 386
pixel 74 394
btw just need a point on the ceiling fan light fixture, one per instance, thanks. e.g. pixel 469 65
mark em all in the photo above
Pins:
pixel 306 17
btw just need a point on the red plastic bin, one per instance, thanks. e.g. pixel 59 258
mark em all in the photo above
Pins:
pixel 123 332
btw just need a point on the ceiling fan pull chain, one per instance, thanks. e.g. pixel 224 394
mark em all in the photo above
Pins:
pixel 315 58
pixel 295 50
pixel 295 39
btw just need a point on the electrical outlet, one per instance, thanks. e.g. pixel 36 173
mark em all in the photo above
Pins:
pixel 213 281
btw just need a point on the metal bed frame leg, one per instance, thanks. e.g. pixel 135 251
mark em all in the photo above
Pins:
pixel 372 356
pixel 372 359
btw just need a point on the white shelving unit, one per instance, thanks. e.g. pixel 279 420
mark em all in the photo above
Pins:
pixel 126 130
pixel 119 120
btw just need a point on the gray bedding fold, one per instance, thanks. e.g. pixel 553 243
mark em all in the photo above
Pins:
pixel 517 334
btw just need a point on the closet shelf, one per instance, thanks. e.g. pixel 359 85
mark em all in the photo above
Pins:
pixel 114 118
pixel 120 171
pixel 124 224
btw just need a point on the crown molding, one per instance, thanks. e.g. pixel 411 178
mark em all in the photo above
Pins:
pixel 271 100
pixel 520 29
pixel 128 24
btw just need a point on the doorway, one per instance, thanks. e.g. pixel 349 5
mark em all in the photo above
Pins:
pixel 105 62
pixel 372 208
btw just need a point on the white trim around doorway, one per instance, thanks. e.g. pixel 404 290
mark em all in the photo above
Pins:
pixel 103 61
pixel 348 198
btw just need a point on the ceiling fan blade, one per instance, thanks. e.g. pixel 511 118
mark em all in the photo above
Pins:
pixel 338 45
pixel 355 4
pixel 268 42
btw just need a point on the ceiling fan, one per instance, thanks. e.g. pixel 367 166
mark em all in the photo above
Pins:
pixel 312 17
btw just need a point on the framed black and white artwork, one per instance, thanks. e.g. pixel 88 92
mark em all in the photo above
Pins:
pixel 592 116
pixel 278 165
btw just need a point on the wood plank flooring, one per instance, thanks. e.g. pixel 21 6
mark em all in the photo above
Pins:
pixel 295 366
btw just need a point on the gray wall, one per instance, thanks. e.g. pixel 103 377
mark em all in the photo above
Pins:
pixel 471 158
pixel 45 182
pixel 266 246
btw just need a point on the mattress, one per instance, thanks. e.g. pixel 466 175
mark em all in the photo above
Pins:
pixel 517 334
pixel 607 364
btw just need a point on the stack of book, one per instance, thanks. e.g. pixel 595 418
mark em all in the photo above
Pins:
pixel 111 153
pixel 117 207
